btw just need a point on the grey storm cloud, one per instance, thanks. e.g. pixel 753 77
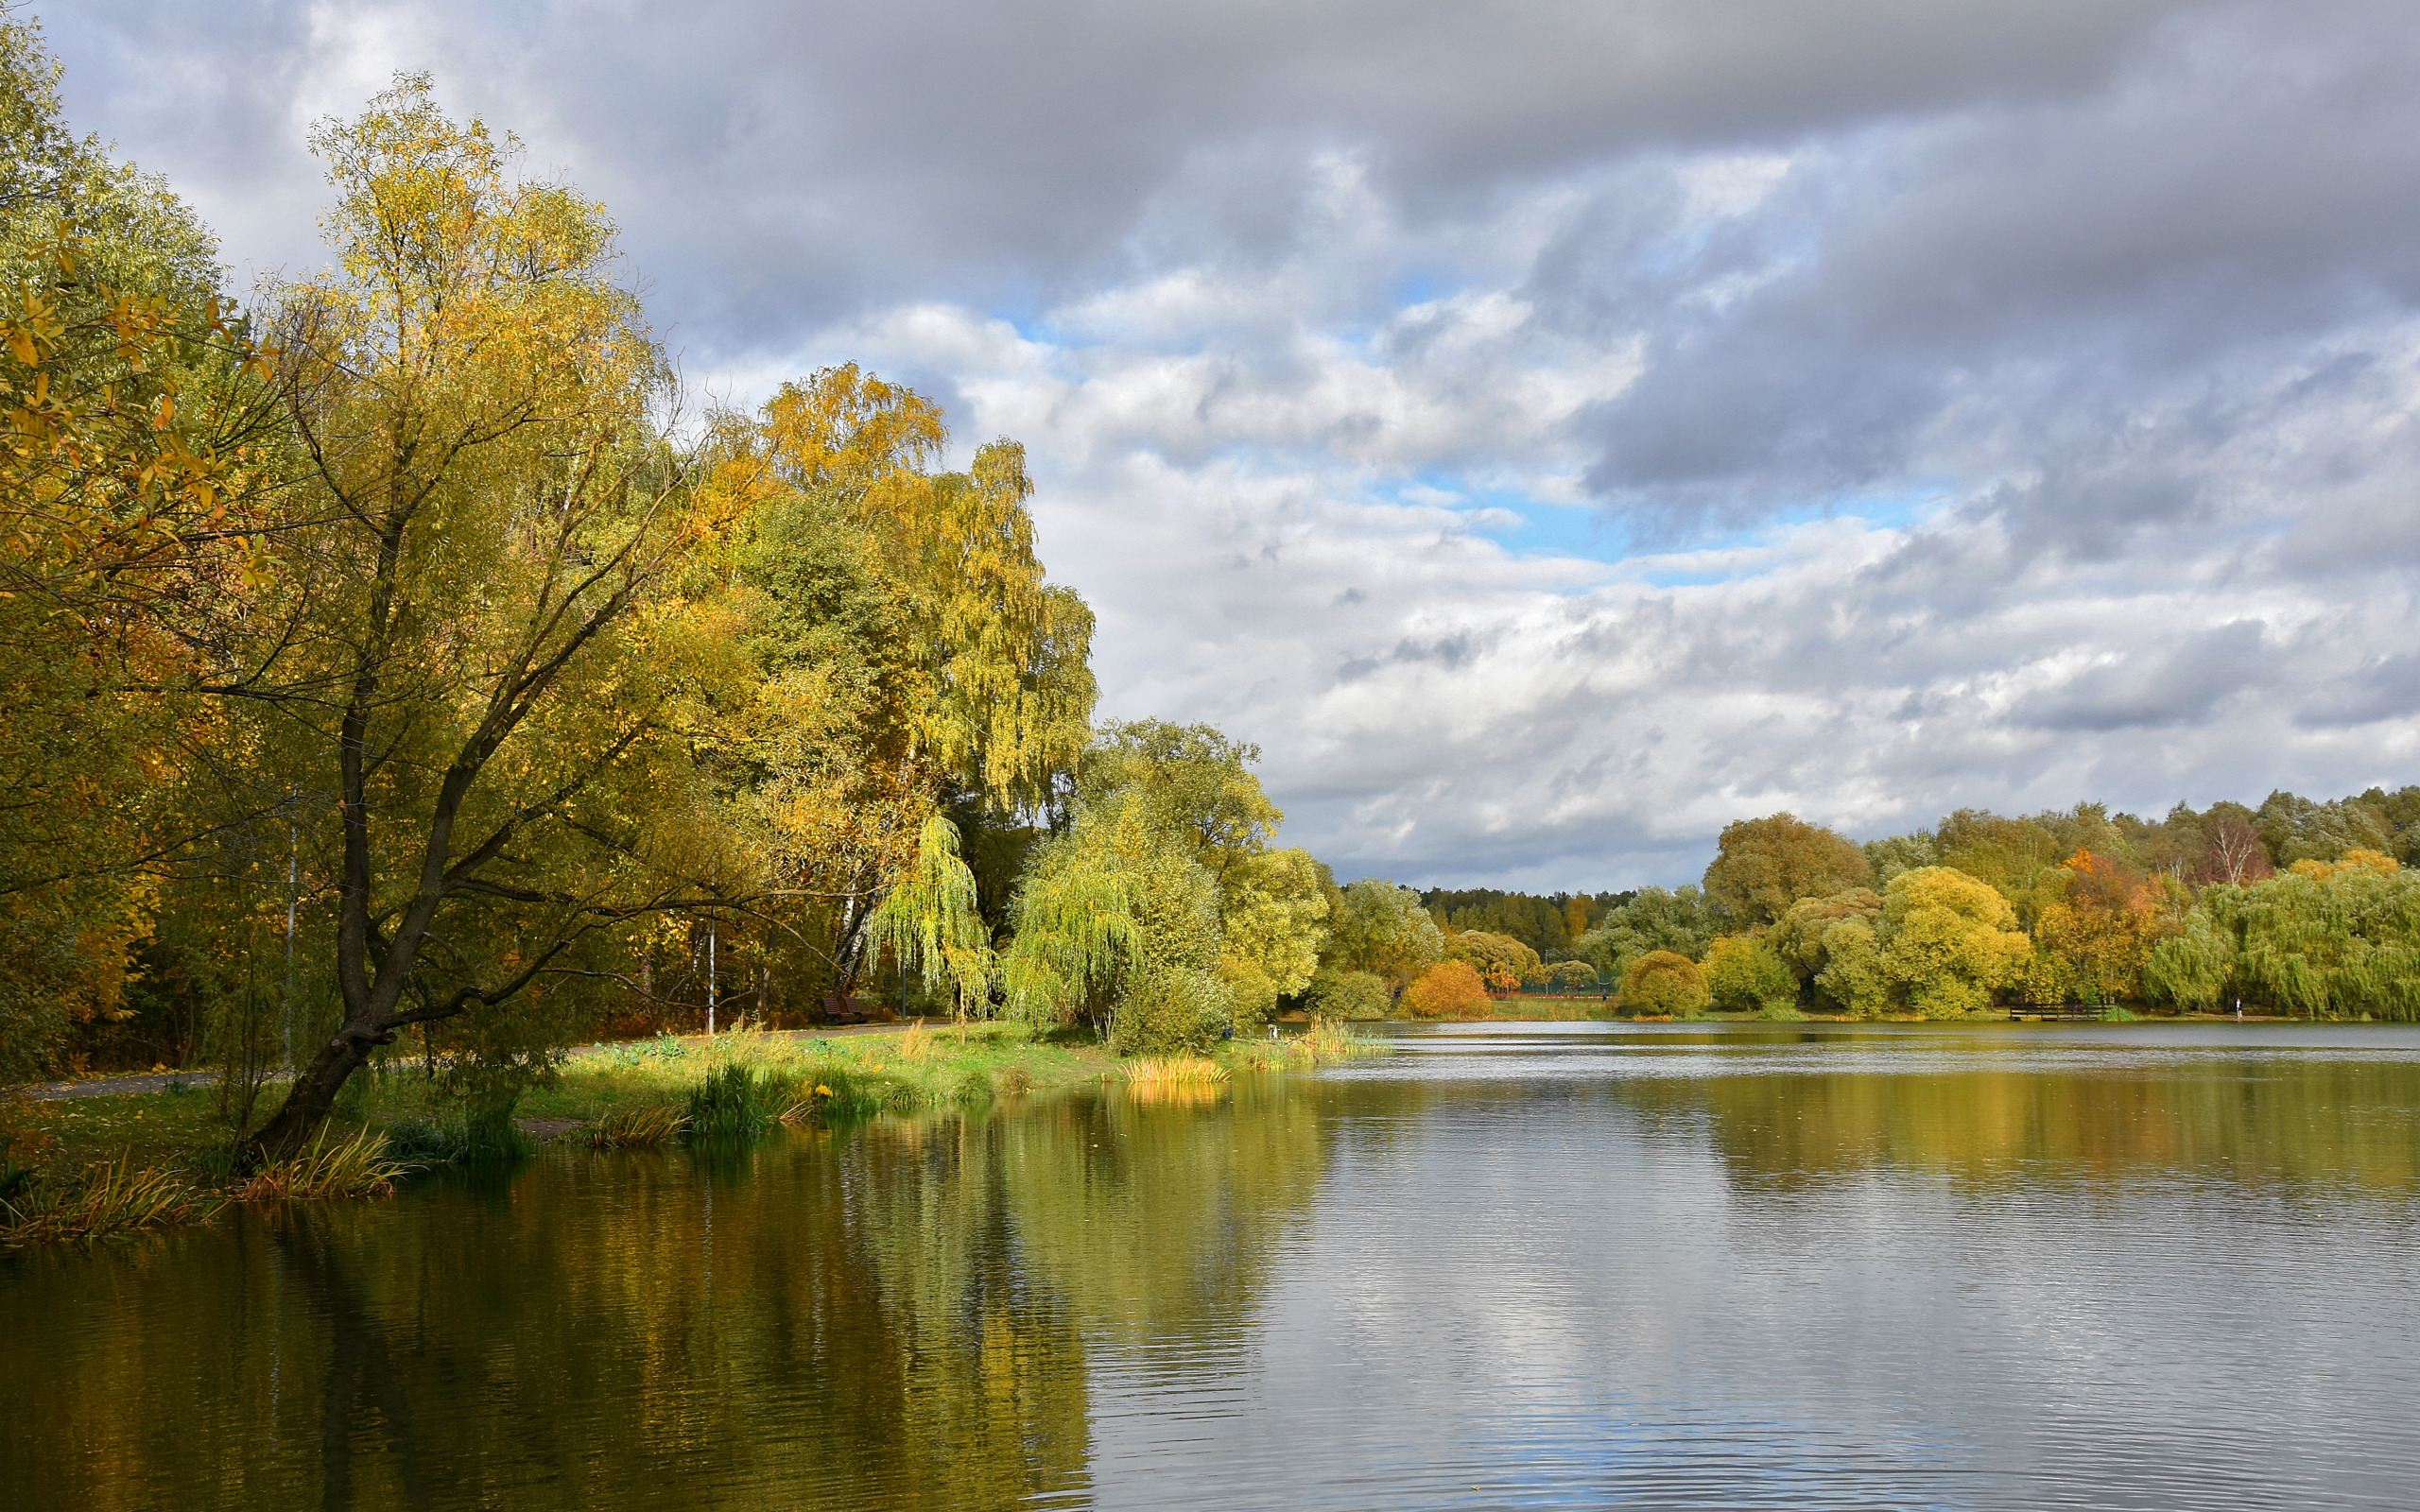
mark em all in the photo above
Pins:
pixel 2187 682
pixel 2036 283
pixel 1973 404
pixel 2388 688
pixel 778 164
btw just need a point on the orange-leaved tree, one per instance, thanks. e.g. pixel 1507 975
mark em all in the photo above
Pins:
pixel 2101 927
pixel 1449 989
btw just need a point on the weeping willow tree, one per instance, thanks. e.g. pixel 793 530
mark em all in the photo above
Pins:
pixel 930 923
pixel 1164 914
pixel 2319 939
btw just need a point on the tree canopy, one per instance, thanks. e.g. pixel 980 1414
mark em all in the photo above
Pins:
pixel 1761 867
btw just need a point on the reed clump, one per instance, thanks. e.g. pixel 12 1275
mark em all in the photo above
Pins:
pixel 729 1104
pixel 1268 1055
pixel 638 1128
pixel 357 1167
pixel 1177 1093
pixel 1146 1071
pixel 1332 1040
pixel 108 1199
pixel 474 1136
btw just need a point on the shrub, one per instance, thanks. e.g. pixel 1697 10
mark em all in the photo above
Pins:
pixel 1449 989
pixel 1663 982
pixel 1172 1010
pixel 1743 971
pixel 1341 994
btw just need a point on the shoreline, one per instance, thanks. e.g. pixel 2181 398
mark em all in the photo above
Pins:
pixel 162 1132
pixel 130 1083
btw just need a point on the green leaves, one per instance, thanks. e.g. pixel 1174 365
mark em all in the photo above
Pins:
pixel 928 918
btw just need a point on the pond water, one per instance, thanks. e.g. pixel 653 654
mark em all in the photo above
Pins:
pixel 1536 1265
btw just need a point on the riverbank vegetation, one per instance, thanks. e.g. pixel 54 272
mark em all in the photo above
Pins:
pixel 111 1165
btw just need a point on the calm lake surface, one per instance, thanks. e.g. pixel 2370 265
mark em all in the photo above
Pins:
pixel 1537 1265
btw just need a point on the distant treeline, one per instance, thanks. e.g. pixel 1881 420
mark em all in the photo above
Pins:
pixel 2299 904
pixel 2225 842
pixel 1546 924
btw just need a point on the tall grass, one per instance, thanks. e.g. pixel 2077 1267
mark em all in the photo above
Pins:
pixel 633 1128
pixel 1332 1040
pixel 478 1135
pixel 726 1105
pixel 106 1200
pixel 1162 1070
pixel 1268 1055
pixel 828 1089
pixel 1177 1093
pixel 359 1167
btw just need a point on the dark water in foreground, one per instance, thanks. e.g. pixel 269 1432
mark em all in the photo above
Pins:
pixel 1515 1266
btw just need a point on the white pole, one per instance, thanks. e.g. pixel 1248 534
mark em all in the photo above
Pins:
pixel 710 979
pixel 293 901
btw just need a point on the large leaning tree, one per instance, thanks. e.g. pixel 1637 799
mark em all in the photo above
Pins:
pixel 466 667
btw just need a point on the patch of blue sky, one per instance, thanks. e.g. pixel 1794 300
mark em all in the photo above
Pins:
pixel 1523 524
pixel 1527 526
pixel 1416 289
pixel 1727 556
pixel 1550 530
pixel 1031 322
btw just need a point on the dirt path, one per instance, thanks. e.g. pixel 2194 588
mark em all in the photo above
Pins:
pixel 148 1081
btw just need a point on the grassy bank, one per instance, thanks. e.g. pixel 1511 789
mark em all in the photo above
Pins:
pixel 106 1165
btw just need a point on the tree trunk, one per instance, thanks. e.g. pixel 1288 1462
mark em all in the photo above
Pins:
pixel 312 1097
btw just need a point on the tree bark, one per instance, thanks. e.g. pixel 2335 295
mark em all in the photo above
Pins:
pixel 312 1097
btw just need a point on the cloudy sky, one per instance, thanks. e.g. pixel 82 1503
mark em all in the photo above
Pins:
pixel 1551 432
